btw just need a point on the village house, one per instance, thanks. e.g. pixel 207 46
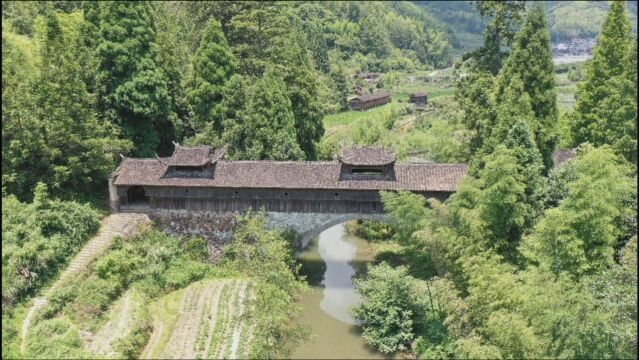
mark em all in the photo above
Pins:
pixel 370 77
pixel 418 98
pixel 363 102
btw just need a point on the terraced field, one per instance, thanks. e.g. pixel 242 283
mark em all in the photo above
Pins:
pixel 205 320
pixel 124 316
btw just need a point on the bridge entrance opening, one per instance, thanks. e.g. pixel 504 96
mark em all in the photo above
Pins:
pixel 136 195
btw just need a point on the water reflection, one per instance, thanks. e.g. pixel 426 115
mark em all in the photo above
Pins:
pixel 330 262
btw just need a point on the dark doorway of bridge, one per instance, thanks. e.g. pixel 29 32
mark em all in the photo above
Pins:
pixel 136 195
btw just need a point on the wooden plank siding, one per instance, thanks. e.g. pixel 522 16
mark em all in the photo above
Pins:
pixel 277 200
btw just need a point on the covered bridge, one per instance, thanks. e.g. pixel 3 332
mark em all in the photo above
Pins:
pixel 197 178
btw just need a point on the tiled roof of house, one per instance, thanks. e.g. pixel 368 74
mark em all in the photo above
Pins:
pixel 418 94
pixel 370 155
pixel 292 175
pixel 373 96
pixel 194 156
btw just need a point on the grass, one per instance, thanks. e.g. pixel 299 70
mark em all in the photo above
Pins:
pixel 220 324
pixel 350 117
pixel 167 309
pixel 393 125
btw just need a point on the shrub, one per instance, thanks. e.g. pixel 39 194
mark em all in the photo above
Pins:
pixel 387 309
pixel 37 239
pixel 267 257
pixel 54 339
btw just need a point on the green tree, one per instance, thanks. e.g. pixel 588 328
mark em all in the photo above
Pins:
pixel 606 98
pixel 61 142
pixel 387 309
pixel 19 69
pixel 579 235
pixel 313 18
pixel 406 211
pixel 172 58
pixel 478 69
pixel 374 37
pixel 234 103
pixel 619 109
pixel 501 203
pixel 339 78
pixel 266 35
pixel 477 105
pixel 499 32
pixel 530 62
pixel 134 89
pixel 302 85
pixel 213 65
pixel 266 128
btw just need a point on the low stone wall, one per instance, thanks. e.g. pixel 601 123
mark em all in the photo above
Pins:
pixel 217 227
pixel 214 227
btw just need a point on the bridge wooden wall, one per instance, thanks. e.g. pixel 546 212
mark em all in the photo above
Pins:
pixel 278 200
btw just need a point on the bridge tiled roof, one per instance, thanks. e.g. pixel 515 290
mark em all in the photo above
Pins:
pixel 367 156
pixel 194 156
pixel 292 175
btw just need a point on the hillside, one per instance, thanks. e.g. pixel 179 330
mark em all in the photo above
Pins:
pixel 566 19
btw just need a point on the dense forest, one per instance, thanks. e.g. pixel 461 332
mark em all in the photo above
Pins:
pixel 81 84
pixel 526 259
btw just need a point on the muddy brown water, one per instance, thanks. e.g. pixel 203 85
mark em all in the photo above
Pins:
pixel 329 262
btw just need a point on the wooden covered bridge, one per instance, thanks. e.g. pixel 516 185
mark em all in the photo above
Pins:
pixel 197 178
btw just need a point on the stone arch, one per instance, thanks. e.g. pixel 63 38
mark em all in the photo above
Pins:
pixel 338 219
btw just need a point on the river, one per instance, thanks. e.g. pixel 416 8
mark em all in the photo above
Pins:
pixel 329 262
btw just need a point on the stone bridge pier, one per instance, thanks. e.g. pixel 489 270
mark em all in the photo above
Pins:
pixel 309 225
pixel 217 227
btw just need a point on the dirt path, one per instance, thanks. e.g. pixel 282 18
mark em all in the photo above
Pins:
pixel 112 226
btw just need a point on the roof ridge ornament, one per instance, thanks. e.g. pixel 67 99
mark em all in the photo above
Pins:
pixel 160 160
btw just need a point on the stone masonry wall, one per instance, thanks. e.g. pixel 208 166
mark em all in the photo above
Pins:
pixel 217 227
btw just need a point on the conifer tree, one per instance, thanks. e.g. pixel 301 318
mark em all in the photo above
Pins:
pixel 134 88
pixel 265 130
pixel 213 65
pixel 531 63
pixel 501 202
pixel 521 140
pixel 482 65
pixel 61 142
pixel 603 113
